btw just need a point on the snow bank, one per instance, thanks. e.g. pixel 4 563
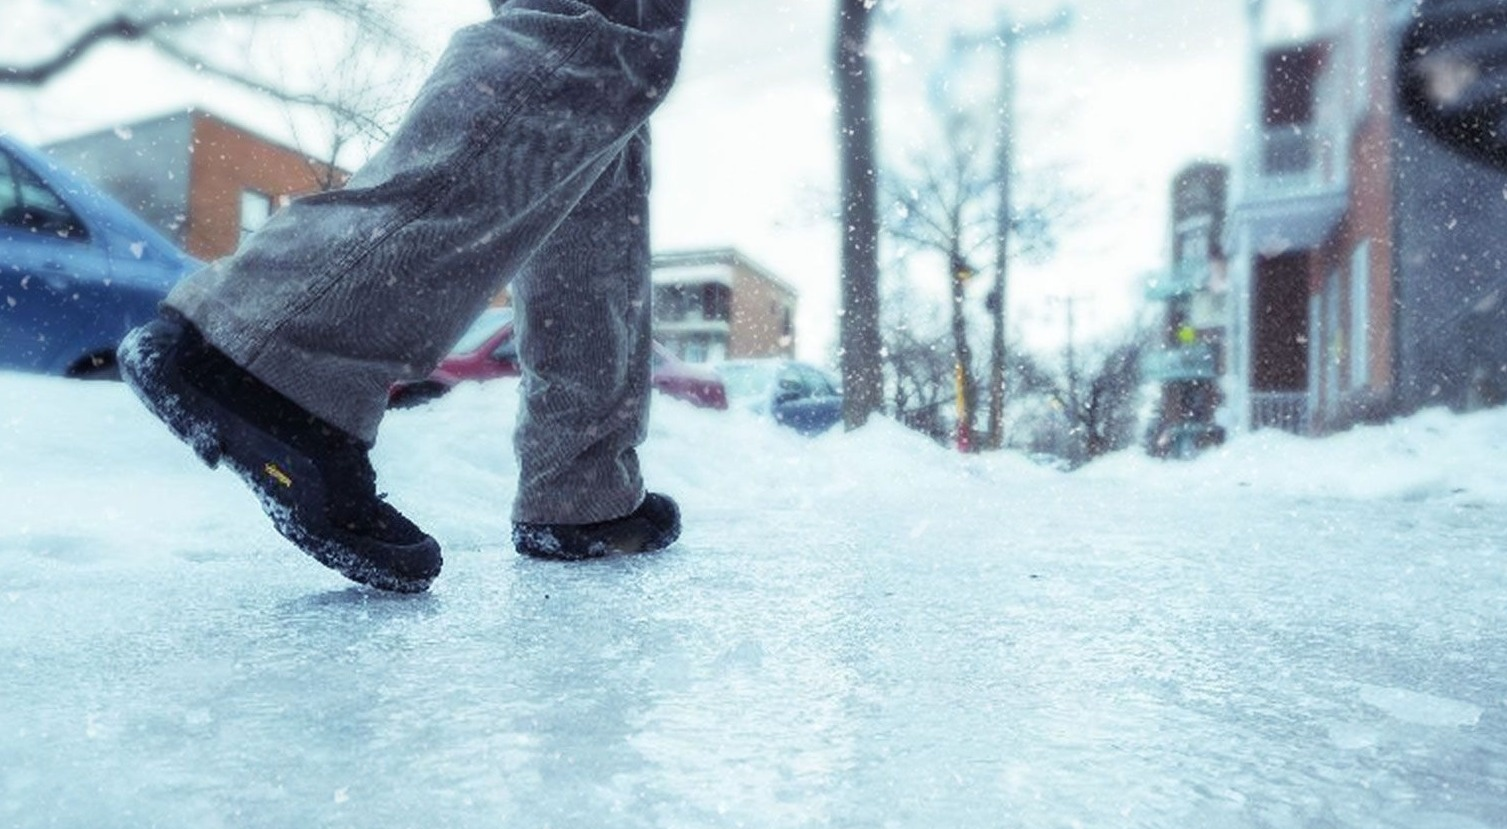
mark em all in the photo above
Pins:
pixel 1434 454
pixel 83 461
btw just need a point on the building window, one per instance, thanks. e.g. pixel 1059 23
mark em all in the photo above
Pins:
pixel 1360 314
pixel 706 302
pixel 1193 242
pixel 716 302
pixel 256 209
pixel 669 302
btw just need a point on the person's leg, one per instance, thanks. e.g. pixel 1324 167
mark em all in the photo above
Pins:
pixel 344 292
pixel 584 344
pixel 583 322
pixel 278 360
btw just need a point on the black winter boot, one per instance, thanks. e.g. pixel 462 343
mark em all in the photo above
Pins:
pixel 314 481
pixel 653 526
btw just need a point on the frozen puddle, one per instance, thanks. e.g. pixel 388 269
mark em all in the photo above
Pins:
pixel 1419 708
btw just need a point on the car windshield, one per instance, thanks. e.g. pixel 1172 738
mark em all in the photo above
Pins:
pixel 480 331
pixel 746 380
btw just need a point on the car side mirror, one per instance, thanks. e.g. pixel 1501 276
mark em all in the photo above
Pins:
pixel 1450 65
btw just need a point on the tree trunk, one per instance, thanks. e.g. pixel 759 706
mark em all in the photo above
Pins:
pixel 997 359
pixel 963 355
pixel 999 297
pixel 862 366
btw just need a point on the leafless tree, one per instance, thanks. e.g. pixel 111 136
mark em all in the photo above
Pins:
pixel 366 93
pixel 945 200
pixel 217 38
pixel 942 205
pixel 1095 400
pixel 920 363
pixel 919 360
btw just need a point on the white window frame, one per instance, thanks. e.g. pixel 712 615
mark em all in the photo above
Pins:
pixel 1332 348
pixel 256 209
pixel 1360 315
pixel 1191 238
pixel 1317 371
pixel 1362 31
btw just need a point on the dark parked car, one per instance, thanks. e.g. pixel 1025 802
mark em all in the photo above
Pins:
pixel 794 394
pixel 77 269
pixel 487 350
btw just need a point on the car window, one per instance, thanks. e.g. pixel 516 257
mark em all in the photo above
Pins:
pixel 744 381
pixel 480 331
pixel 792 382
pixel 817 382
pixel 28 204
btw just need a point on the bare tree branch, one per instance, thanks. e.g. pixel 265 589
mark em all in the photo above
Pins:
pixel 204 66
pixel 119 28
pixel 128 27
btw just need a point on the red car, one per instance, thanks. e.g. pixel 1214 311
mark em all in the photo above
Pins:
pixel 487 351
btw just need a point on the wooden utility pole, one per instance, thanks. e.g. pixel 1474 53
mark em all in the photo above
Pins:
pixel 1009 36
pixel 862 345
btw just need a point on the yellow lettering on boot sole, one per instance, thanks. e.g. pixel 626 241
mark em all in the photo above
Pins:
pixel 277 474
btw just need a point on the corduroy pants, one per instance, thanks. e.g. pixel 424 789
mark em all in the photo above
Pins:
pixel 524 162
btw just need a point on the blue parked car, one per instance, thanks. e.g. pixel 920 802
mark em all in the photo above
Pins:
pixel 77 269
pixel 792 393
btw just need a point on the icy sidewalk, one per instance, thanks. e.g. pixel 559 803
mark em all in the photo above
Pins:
pixel 857 631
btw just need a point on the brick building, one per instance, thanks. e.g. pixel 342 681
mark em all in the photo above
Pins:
pixel 203 181
pixel 1365 258
pixel 717 304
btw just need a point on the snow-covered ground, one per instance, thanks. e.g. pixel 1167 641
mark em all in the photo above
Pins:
pixel 861 630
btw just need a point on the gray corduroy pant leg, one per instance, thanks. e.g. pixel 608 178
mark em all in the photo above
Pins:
pixel 584 342
pixel 529 117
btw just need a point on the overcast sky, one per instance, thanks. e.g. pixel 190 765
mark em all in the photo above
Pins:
pixel 744 150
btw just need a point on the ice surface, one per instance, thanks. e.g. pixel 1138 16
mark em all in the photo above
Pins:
pixel 859 630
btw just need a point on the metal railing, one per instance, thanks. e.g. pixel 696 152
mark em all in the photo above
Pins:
pixel 1295 160
pixel 1280 410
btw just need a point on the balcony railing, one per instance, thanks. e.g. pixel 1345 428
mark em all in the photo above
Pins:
pixel 1280 410
pixel 1190 362
pixel 1184 278
pixel 1297 160
pixel 1294 186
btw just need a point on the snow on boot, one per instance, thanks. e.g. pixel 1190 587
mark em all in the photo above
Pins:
pixel 314 481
